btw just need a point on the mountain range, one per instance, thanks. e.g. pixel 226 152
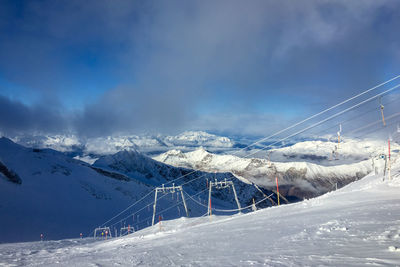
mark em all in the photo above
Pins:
pixel 306 169
pixel 46 191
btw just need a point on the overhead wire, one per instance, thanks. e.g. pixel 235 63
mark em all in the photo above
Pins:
pixel 327 119
pixel 322 112
pixel 281 131
pixel 356 117
pixel 170 207
pixel 231 210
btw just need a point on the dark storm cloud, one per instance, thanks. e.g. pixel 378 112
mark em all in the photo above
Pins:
pixel 18 118
pixel 122 110
pixel 173 57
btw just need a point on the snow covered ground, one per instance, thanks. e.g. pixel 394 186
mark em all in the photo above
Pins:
pixel 357 225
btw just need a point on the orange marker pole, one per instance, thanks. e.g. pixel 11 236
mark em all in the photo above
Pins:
pixel 277 189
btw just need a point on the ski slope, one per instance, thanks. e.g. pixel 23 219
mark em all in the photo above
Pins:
pixel 57 196
pixel 357 225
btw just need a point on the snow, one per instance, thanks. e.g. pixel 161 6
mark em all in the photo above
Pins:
pixel 303 176
pixel 112 144
pixel 349 151
pixel 87 159
pixel 56 191
pixel 198 138
pixel 356 225
pixel 45 191
pixel 62 143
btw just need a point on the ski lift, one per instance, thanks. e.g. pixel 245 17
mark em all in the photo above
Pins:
pixel 126 230
pixel 168 190
pixel 221 185
pixel 338 134
pixel 253 206
pixel 102 231
pixel 382 107
pixel 269 159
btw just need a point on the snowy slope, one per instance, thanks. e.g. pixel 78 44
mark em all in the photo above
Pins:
pixel 44 191
pixel 56 195
pixel 298 178
pixel 357 225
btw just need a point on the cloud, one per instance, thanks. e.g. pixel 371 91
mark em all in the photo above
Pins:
pixel 172 59
pixel 17 118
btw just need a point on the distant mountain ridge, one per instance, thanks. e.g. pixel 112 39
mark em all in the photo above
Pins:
pixel 306 169
pixel 112 144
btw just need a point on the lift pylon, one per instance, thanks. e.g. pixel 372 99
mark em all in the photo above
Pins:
pixel 168 190
pixel 221 185
pixel 126 230
pixel 102 231
pixel 382 107
pixel 338 134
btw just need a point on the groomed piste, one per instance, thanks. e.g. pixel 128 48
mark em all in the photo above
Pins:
pixel 353 226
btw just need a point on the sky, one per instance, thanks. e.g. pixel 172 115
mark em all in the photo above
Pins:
pixel 97 68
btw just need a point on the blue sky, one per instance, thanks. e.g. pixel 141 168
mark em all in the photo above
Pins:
pixel 107 67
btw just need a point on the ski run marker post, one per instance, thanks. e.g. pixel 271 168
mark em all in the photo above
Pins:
pixel 277 189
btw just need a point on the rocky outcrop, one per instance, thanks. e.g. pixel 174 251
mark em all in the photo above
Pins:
pixel 9 174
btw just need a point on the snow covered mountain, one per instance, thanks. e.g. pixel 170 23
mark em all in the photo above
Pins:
pixel 62 143
pixel 112 144
pixel 329 153
pixel 45 191
pixel 304 170
pixel 145 169
pixel 357 225
pixel 198 138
